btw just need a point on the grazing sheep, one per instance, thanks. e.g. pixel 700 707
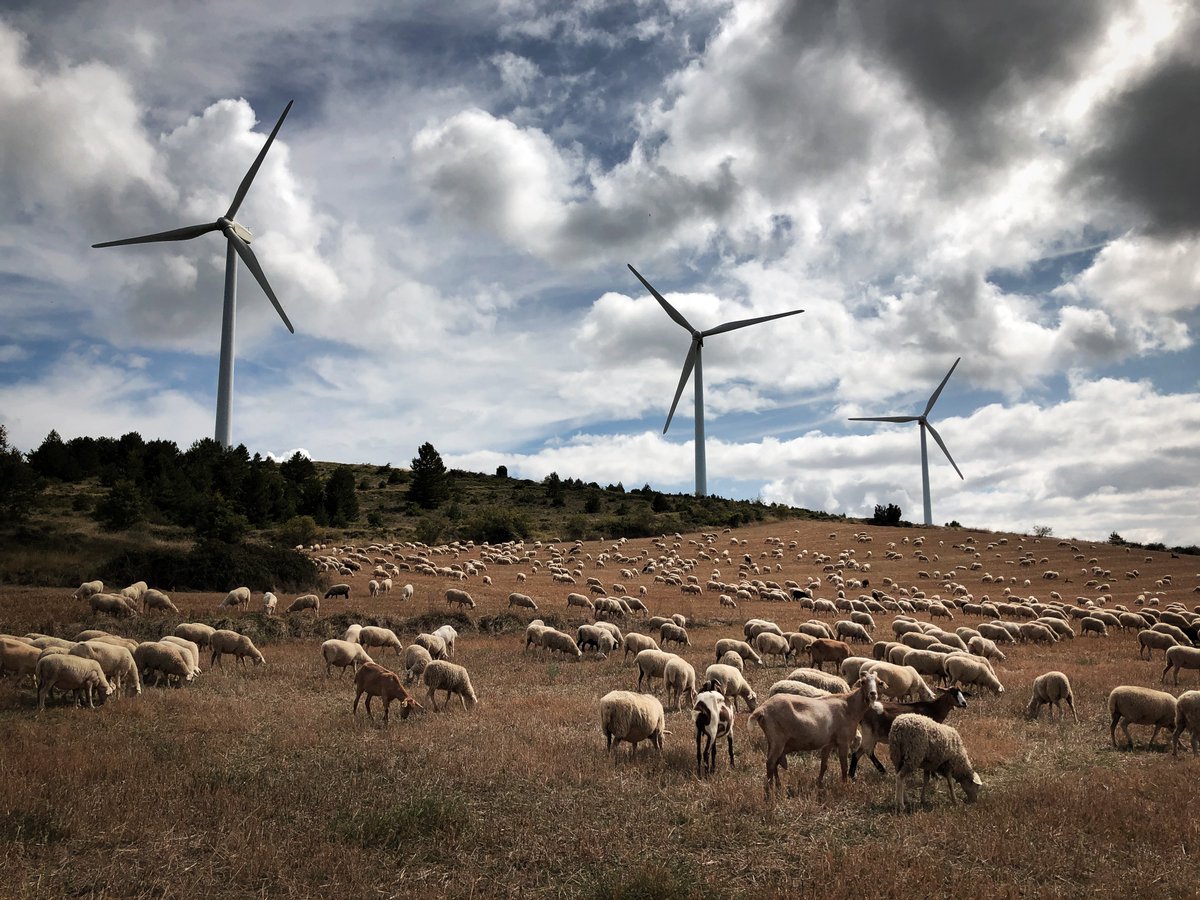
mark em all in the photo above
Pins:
pixel 69 673
pixel 917 743
pixel 618 638
pixel 964 669
pixel 1092 625
pixel 190 648
pixel 197 632
pixel 441 675
pixel 981 646
pixel 1052 688
pixel 743 649
pixel 373 588
pixel 1149 641
pixel 85 590
pixel 581 601
pixel 876 728
pixel 113 604
pixel 823 680
pixel 338 590
pixel 1131 705
pixel 155 599
pixel 1037 633
pixel 672 633
pixel 899 682
pixel 376 681
pixel 343 654
pixel 431 642
pixel 851 667
pixel 270 602
pixel 462 598
pixel 794 724
pixel 305 601
pixel 994 631
pixel 375 636
pixel 522 600
pixel 851 631
pixel 730 682
pixel 239 597
pixel 89 634
pixel 631 717
pixel 116 663
pixel 1187 717
pixel 225 641
pixel 767 643
pixel 713 718
pixel 679 681
pixel 1181 658
pixel 799 688
pixel 164 661
pixel 635 643
pixel 558 642
pixel 351 633
pixel 533 633
pixel 406 592
pixel 416 658
pixel 652 664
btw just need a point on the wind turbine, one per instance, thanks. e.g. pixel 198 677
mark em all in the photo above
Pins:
pixel 923 418
pixel 238 238
pixel 693 360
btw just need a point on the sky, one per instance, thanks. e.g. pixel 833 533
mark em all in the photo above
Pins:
pixel 449 210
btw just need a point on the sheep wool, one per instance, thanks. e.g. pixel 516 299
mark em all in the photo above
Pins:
pixel 632 717
pixel 917 743
pixel 441 675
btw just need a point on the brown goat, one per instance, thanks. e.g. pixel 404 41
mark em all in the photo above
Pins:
pixel 824 650
pixel 376 681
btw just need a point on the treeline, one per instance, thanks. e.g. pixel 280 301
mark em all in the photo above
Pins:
pixel 215 491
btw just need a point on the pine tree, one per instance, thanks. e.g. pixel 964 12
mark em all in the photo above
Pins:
pixel 430 486
pixel 341 503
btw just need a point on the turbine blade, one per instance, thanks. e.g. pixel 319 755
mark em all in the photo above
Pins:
pixel 688 364
pixel 671 311
pixel 937 437
pixel 245 185
pixel 251 261
pixel 883 418
pixel 176 234
pixel 938 392
pixel 730 326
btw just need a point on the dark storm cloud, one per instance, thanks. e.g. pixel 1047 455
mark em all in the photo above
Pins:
pixel 1150 156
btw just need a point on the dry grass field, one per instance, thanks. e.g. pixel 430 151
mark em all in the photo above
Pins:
pixel 261 782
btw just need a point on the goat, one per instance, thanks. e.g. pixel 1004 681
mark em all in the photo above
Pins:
pixel 876 726
pixel 713 718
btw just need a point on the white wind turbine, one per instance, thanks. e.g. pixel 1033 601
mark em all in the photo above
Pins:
pixel 238 238
pixel 923 418
pixel 693 360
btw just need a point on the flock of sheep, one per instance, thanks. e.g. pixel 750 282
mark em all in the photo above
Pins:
pixel 898 691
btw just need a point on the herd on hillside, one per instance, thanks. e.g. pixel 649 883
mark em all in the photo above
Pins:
pixel 882 696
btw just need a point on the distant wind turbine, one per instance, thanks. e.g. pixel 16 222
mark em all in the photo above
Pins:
pixel 693 360
pixel 239 238
pixel 923 418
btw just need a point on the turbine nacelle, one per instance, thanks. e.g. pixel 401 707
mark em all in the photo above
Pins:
pixel 228 225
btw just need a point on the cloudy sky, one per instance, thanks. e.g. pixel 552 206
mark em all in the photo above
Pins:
pixel 449 209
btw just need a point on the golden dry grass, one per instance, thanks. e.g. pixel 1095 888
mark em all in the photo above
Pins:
pixel 261 782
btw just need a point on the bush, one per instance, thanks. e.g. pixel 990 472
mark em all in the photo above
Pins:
pixel 1042 531
pixel 213 566
pixel 495 525
pixel 297 530
pixel 122 507
pixel 886 515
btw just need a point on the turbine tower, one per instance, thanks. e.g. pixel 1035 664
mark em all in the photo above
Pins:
pixel 923 418
pixel 238 239
pixel 693 361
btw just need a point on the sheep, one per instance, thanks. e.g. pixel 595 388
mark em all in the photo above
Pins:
pixel 406 592
pixel 155 599
pixel 351 633
pixel 962 668
pixel 1149 641
pixel 441 675
pixel 376 636
pixel 994 631
pixel 376 681
pixel 270 602
pixel 824 651
pixel 46 641
pixel 338 590
pixel 462 598
pixel 823 680
pixel 581 601
pixel 85 590
pixel 239 596
pixel 679 681
pixel 793 724
pixel 899 682
pixel 1181 658
pixel 798 642
pixel 1187 717
pixel 225 641
pixel 768 643
pixel 1052 688
pixel 197 632
pixel 69 673
pixel 672 633
pixel 116 663
pixel 1130 705
pixel 744 650
pixel 652 664
pixel 89 634
pixel 112 604
pixel 190 649
pixel 343 654
pixel 851 631
pixel 918 743
pixel 713 718
pixel 18 657
pixel 983 647
pixel 416 658
pixel 373 587
pixel 632 717
pixel 558 642
pixel 730 682
pixel 385 585
pixel 1037 633
pixel 851 667
pixel 522 600
pixel 787 686
pixel 733 658
pixel 754 627
pixel 533 633
pixel 431 642
pixel 635 643
pixel 164 660
pixel 618 638
pixel 876 728
pixel 305 601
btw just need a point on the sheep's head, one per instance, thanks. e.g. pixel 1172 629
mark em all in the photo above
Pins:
pixel 971 786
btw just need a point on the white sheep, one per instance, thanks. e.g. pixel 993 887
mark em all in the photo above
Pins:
pixel 111 604
pixel 533 633
pixel 822 680
pixel 440 675
pixel 85 590
pixel 1131 705
pixel 558 642
pixel 524 601
pixel 632 717
pixel 69 673
pixel 636 642
pixel 116 663
pixel 899 682
pixel 406 592
pixel 156 599
pixel 461 597
pixel 448 635
pixel 225 641
pixel 799 688
pixel 679 680
pixel 190 648
pixel 164 661
pixel 767 643
pixel 343 654
pixel 431 642
pixel 377 636
pixel 652 664
pixel 672 633
pixel 985 647
pixel 416 658
pixel 964 669
pixel 351 633
pixel 730 682
pixel 917 743
pixel 239 596
pixel 1187 717
pixel 197 632
pixel 305 601
pixel 270 602
pixel 1181 658
pixel 1053 688
pixel 742 648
